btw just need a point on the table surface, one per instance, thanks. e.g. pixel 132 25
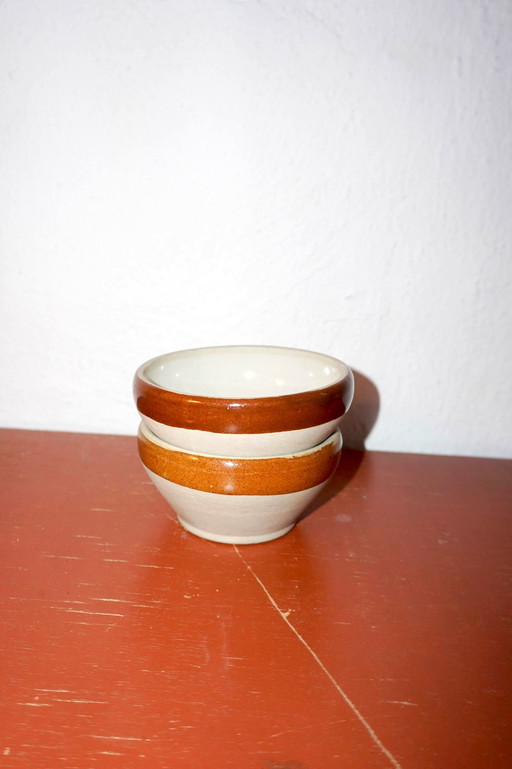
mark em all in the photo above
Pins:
pixel 376 634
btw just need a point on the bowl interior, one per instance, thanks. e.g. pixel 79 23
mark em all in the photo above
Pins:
pixel 244 372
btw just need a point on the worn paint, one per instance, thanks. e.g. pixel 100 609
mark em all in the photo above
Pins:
pixel 360 643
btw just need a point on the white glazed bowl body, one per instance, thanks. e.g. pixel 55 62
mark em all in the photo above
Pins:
pixel 243 444
pixel 210 501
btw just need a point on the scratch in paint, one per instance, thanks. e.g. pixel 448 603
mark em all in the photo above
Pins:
pixel 82 611
pixel 152 566
pixel 84 702
pixel 55 691
pixel 319 662
pixel 115 737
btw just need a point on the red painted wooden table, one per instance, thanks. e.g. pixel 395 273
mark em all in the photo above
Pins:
pixel 376 634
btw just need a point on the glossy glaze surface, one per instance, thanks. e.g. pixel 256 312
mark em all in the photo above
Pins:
pixel 235 519
pixel 230 401
pixel 243 444
pixel 243 371
pixel 235 475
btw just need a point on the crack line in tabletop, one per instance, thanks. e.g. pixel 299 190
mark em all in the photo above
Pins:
pixel 284 615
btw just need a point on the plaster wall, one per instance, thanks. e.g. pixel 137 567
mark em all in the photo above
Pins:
pixel 326 175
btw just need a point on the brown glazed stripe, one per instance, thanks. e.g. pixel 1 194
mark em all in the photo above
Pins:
pixel 221 475
pixel 245 415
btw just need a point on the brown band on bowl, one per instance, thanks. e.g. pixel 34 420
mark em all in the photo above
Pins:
pixel 222 475
pixel 244 415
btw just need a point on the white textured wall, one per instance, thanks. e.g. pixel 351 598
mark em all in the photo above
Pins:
pixel 329 175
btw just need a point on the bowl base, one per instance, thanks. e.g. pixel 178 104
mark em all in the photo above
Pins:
pixel 234 539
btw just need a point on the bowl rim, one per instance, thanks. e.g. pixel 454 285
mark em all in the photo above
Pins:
pixel 141 371
pixel 240 476
pixel 257 414
pixel 334 438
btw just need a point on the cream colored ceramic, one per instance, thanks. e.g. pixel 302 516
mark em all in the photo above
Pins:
pixel 243 401
pixel 243 444
pixel 238 499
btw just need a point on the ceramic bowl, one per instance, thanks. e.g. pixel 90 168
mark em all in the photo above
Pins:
pixel 239 500
pixel 243 401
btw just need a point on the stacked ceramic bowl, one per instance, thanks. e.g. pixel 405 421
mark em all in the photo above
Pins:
pixel 239 440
